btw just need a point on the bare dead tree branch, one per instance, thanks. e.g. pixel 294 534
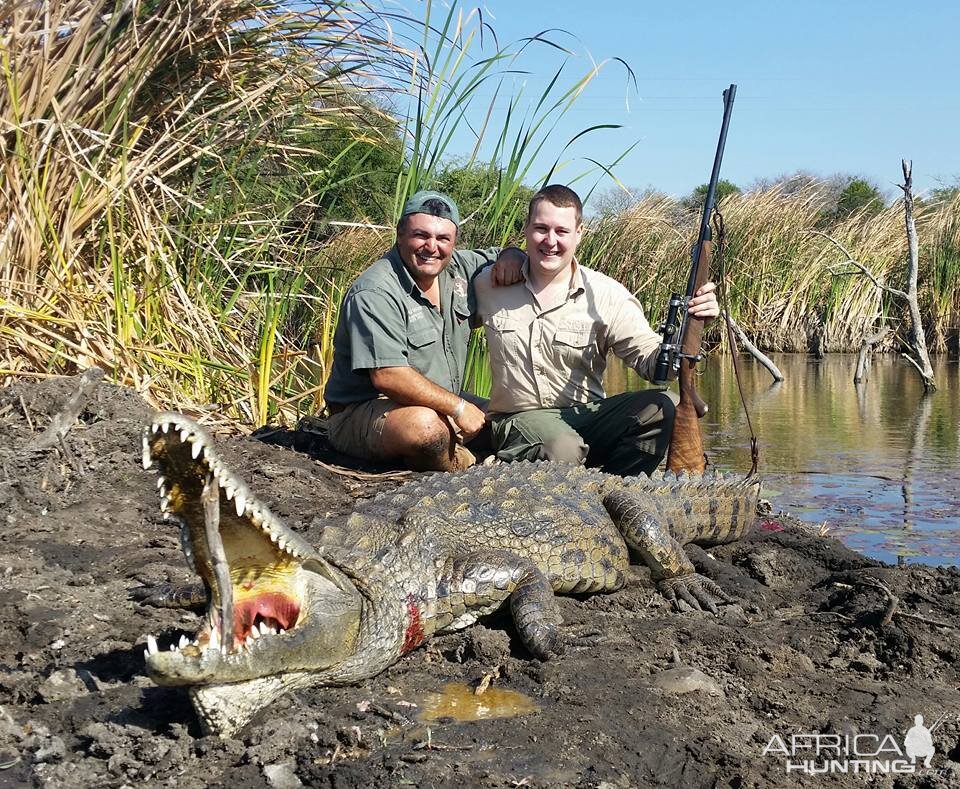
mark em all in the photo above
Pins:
pixel 65 419
pixel 922 361
pixel 752 349
pixel 856 263
pixel 863 359
pixel 917 340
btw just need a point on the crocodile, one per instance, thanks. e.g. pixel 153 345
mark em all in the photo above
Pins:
pixel 428 557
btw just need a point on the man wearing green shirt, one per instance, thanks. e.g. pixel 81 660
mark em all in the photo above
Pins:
pixel 400 345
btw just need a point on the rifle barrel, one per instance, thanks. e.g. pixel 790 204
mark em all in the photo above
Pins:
pixel 704 235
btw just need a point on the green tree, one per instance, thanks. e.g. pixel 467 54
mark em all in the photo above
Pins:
pixel 697 197
pixel 491 213
pixel 943 194
pixel 859 195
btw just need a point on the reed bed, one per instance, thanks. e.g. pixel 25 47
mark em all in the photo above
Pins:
pixel 131 235
pixel 787 281
pixel 166 168
pixel 168 171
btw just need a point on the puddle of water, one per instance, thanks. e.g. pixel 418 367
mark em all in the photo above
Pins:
pixel 459 702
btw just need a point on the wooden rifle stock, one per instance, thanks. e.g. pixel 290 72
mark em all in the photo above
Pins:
pixel 686 442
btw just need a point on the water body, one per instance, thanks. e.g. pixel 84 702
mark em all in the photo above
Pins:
pixel 879 463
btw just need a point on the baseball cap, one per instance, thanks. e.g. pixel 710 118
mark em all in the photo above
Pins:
pixel 433 203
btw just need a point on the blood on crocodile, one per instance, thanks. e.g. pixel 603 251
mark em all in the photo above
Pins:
pixel 413 636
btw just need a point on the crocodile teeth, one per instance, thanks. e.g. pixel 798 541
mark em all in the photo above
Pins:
pixel 147 459
pixel 184 435
pixel 214 640
pixel 164 427
pixel 229 491
pixel 254 633
pixel 164 503
pixel 161 481
pixel 184 641
pixel 241 503
pixel 248 641
pixel 152 647
pixel 196 449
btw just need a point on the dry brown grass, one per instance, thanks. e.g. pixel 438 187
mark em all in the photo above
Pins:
pixel 125 240
pixel 786 282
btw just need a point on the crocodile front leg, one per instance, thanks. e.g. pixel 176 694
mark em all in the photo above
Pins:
pixel 481 582
pixel 192 595
pixel 670 567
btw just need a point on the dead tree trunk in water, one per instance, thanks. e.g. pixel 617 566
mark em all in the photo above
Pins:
pixel 752 349
pixel 919 341
pixel 916 339
pixel 863 360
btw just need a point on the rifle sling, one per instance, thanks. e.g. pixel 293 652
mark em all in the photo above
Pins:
pixel 732 339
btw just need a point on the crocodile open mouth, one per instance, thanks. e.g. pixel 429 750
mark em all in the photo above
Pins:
pixel 248 560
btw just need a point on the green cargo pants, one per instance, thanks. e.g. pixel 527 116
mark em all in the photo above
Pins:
pixel 626 434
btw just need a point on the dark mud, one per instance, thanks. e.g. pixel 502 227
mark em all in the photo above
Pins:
pixel 821 641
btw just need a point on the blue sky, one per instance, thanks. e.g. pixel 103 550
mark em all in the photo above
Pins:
pixel 847 86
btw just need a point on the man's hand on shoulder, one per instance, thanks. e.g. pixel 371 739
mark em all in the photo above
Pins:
pixel 704 304
pixel 508 268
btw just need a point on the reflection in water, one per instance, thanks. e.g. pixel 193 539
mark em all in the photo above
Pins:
pixel 461 703
pixel 918 444
pixel 868 460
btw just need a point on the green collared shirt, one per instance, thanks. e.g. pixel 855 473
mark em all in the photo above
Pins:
pixel 386 321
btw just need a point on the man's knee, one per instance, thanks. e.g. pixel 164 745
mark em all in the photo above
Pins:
pixel 417 429
pixel 564 448
pixel 424 441
pixel 652 408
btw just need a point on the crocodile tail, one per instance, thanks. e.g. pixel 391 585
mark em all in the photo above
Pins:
pixel 727 510
pixel 706 509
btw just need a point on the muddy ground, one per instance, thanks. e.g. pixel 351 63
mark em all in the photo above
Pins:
pixel 822 641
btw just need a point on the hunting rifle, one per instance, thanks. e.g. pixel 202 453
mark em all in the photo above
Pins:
pixel 682 336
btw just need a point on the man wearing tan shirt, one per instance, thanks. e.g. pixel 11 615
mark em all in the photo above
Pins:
pixel 548 338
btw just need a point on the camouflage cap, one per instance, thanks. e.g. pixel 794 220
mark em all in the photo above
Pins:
pixel 433 203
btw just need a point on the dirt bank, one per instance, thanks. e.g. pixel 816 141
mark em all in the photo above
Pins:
pixel 822 641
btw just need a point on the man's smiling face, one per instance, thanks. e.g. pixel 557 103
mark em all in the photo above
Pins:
pixel 426 245
pixel 552 233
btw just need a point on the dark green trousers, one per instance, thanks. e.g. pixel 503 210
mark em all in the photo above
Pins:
pixel 626 434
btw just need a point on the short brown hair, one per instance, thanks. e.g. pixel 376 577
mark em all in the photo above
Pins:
pixel 560 196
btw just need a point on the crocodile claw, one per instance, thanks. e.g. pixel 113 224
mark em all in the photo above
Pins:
pixel 582 637
pixel 696 590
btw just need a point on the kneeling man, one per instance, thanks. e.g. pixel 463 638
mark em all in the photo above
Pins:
pixel 548 338
pixel 400 345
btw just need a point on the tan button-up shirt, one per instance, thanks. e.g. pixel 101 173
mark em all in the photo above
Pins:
pixel 556 358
